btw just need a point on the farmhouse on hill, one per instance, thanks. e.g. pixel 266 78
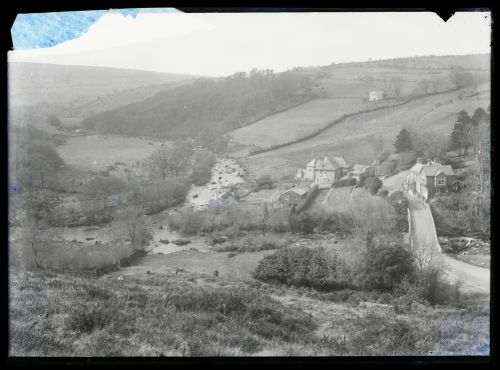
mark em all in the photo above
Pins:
pixel 376 95
pixel 428 179
pixel 324 172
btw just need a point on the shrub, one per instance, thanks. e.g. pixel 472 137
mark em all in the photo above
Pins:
pixel 383 193
pixel 279 222
pixel 163 194
pixel 203 161
pixel 264 182
pixel 385 267
pixel 336 222
pixel 253 242
pixel 399 202
pixel 300 266
pixel 344 182
pixel 304 222
pixel 373 184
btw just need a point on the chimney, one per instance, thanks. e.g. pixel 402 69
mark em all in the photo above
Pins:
pixel 436 160
pixel 419 160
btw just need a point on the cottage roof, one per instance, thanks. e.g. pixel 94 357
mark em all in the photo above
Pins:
pixel 297 190
pixel 433 169
pixel 341 162
pixel 417 167
pixel 327 164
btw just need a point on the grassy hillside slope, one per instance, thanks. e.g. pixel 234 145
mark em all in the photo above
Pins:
pixel 71 93
pixel 200 315
pixel 32 83
pixel 353 137
pixel 298 122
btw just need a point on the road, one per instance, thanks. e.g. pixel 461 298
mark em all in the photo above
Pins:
pixel 424 238
pixel 395 182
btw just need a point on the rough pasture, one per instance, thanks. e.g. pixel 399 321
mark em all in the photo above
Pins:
pixel 353 137
pixel 106 150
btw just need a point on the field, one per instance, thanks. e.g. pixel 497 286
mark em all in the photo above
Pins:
pixel 298 122
pixel 353 137
pixel 358 80
pixel 105 150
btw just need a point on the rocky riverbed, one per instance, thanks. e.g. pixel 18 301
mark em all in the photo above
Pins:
pixel 462 245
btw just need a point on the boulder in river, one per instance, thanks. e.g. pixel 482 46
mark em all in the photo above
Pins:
pixel 181 241
pixel 164 241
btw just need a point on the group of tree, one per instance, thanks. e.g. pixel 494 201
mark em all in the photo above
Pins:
pixel 194 109
pixel 426 144
pixel 470 131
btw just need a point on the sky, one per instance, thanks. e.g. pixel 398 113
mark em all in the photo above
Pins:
pixel 220 44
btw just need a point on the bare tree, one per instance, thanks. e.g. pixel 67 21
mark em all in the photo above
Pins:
pixel 374 219
pixel 159 163
pixel 170 161
pixel 130 223
pixel 397 83
pixel 36 234
pixel 425 257
pixel 378 143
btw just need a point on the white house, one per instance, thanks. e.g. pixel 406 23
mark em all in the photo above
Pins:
pixel 376 95
pixel 324 171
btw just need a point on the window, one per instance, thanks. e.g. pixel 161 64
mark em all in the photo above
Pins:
pixel 441 181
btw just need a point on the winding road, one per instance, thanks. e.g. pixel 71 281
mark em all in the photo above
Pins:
pixel 423 234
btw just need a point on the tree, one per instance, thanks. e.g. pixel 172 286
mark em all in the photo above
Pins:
pixel 423 86
pixel 36 234
pixel 37 163
pixel 461 135
pixel 54 121
pixel 400 203
pixel 386 267
pixel 158 163
pixel 179 156
pixel 403 141
pixel 378 143
pixel 373 184
pixel 131 223
pixel 169 161
pixel 482 144
pixel 201 169
pixel 429 144
pixel 460 78
pixel 374 220
pixel 396 83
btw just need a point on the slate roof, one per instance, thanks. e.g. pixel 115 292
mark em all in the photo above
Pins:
pixel 327 164
pixel 297 190
pixel 433 169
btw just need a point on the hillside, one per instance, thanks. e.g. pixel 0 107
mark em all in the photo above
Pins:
pixel 32 83
pixel 207 104
pixel 242 99
pixel 70 93
pixel 353 137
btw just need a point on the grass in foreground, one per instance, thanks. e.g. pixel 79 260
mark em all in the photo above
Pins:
pixel 189 315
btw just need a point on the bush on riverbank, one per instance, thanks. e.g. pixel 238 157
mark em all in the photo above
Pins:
pixel 253 242
pixel 301 266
